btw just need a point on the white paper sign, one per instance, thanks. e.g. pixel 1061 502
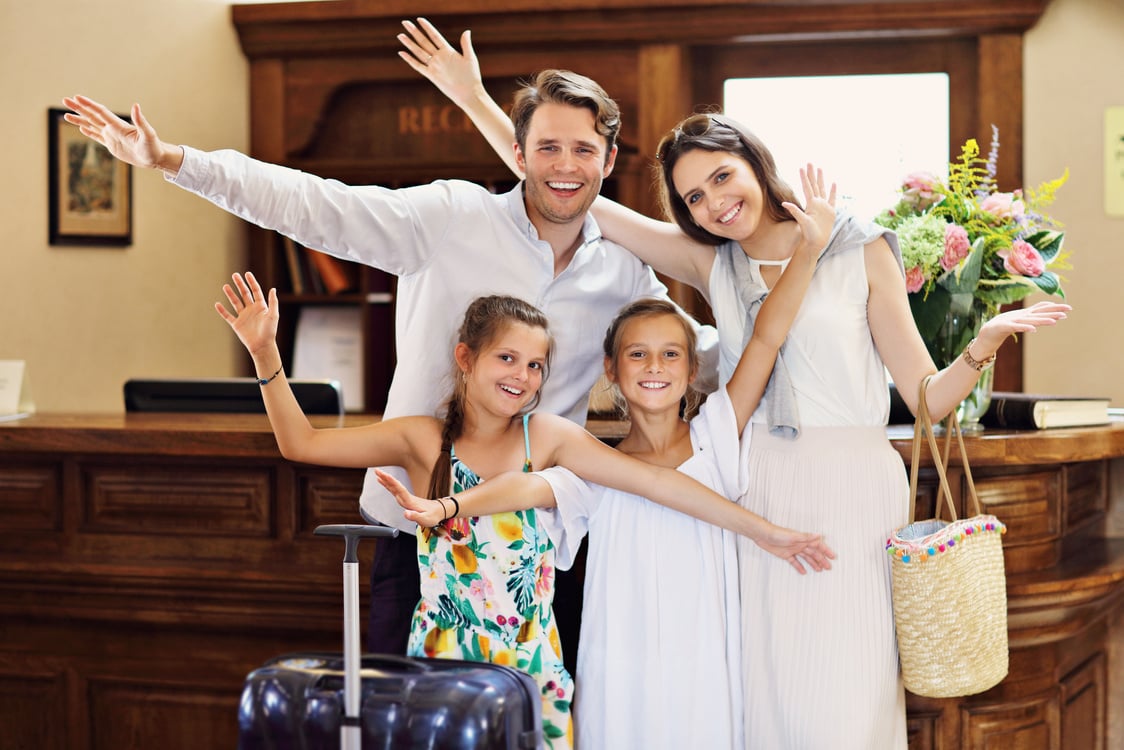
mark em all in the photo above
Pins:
pixel 329 346
pixel 15 397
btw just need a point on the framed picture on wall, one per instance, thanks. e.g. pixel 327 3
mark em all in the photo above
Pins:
pixel 91 192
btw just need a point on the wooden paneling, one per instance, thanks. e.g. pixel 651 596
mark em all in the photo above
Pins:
pixel 31 496
pixel 1083 705
pixel 1031 724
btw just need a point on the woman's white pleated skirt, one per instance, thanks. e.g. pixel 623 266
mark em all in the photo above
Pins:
pixel 820 656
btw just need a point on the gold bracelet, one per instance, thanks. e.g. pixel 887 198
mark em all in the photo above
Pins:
pixel 979 365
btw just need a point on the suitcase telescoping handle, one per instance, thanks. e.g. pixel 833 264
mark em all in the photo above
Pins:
pixel 350 737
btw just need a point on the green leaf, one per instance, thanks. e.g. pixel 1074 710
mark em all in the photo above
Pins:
pixel 552 732
pixel 1047 243
pixel 467 612
pixel 1004 294
pixel 929 313
pixel 1048 283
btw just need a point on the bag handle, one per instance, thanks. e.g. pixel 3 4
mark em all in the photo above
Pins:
pixel 923 425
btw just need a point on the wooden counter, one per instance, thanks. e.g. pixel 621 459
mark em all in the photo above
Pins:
pixel 149 562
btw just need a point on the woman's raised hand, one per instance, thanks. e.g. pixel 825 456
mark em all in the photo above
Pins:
pixel 455 74
pixel 254 319
pixel 817 218
pixel 422 511
pixel 1022 320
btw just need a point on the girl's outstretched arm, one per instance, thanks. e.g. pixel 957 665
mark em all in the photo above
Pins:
pixel 253 317
pixel 593 461
pixel 510 491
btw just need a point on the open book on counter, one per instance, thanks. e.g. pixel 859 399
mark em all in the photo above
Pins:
pixel 1029 411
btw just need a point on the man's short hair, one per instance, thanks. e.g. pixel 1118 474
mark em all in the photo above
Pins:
pixel 565 87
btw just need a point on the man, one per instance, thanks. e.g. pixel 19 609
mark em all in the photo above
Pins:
pixel 448 242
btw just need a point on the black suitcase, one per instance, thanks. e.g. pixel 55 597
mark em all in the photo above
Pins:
pixel 316 701
pixel 296 702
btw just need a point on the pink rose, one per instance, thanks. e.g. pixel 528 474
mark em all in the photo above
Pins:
pixel 1004 205
pixel 918 190
pixel 914 279
pixel 956 246
pixel 1023 259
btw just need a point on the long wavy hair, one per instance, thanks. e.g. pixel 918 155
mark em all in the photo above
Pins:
pixel 713 132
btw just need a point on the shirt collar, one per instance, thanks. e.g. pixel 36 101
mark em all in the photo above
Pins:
pixel 517 207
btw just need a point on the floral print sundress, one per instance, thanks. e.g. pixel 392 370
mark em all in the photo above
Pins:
pixel 487 586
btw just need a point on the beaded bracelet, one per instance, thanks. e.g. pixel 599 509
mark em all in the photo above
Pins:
pixel 979 365
pixel 267 381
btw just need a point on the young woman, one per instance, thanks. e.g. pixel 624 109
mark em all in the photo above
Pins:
pixel 819 454
pixel 487 582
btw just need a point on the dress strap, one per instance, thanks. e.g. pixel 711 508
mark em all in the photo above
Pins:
pixel 527 443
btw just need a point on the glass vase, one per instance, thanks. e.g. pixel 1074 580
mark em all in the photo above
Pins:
pixel 960 326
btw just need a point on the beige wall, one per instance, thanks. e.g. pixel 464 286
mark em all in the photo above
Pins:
pixel 1073 59
pixel 86 319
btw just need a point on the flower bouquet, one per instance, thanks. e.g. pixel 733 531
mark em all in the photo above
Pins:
pixel 968 249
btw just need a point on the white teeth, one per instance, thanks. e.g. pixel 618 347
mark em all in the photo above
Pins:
pixel 727 217
pixel 653 385
pixel 565 185
pixel 512 391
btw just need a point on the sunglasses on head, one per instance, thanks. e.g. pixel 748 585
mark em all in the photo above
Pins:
pixel 693 127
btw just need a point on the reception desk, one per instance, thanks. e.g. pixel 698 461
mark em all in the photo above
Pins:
pixel 148 562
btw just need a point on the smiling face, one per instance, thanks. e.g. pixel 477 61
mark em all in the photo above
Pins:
pixel 721 192
pixel 565 161
pixel 653 364
pixel 507 372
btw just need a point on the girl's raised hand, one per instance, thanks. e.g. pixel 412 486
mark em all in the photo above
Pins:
pixel 422 511
pixel 254 319
pixel 797 547
pixel 817 218
pixel 455 74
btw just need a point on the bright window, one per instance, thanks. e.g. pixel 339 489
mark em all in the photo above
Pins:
pixel 867 132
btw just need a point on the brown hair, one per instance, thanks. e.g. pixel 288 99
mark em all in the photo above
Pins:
pixel 484 321
pixel 564 87
pixel 712 132
pixel 651 307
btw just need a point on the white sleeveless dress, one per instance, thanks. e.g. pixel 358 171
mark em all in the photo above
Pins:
pixel 658 660
pixel 819 652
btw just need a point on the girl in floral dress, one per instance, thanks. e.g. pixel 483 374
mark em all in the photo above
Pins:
pixel 487 582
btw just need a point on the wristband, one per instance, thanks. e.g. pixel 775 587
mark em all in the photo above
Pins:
pixel 266 381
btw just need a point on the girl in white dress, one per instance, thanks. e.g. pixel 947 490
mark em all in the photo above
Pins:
pixel 819 458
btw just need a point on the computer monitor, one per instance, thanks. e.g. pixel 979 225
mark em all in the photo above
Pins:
pixel 226 395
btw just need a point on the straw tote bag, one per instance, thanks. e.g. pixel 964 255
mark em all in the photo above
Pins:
pixel 949 585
